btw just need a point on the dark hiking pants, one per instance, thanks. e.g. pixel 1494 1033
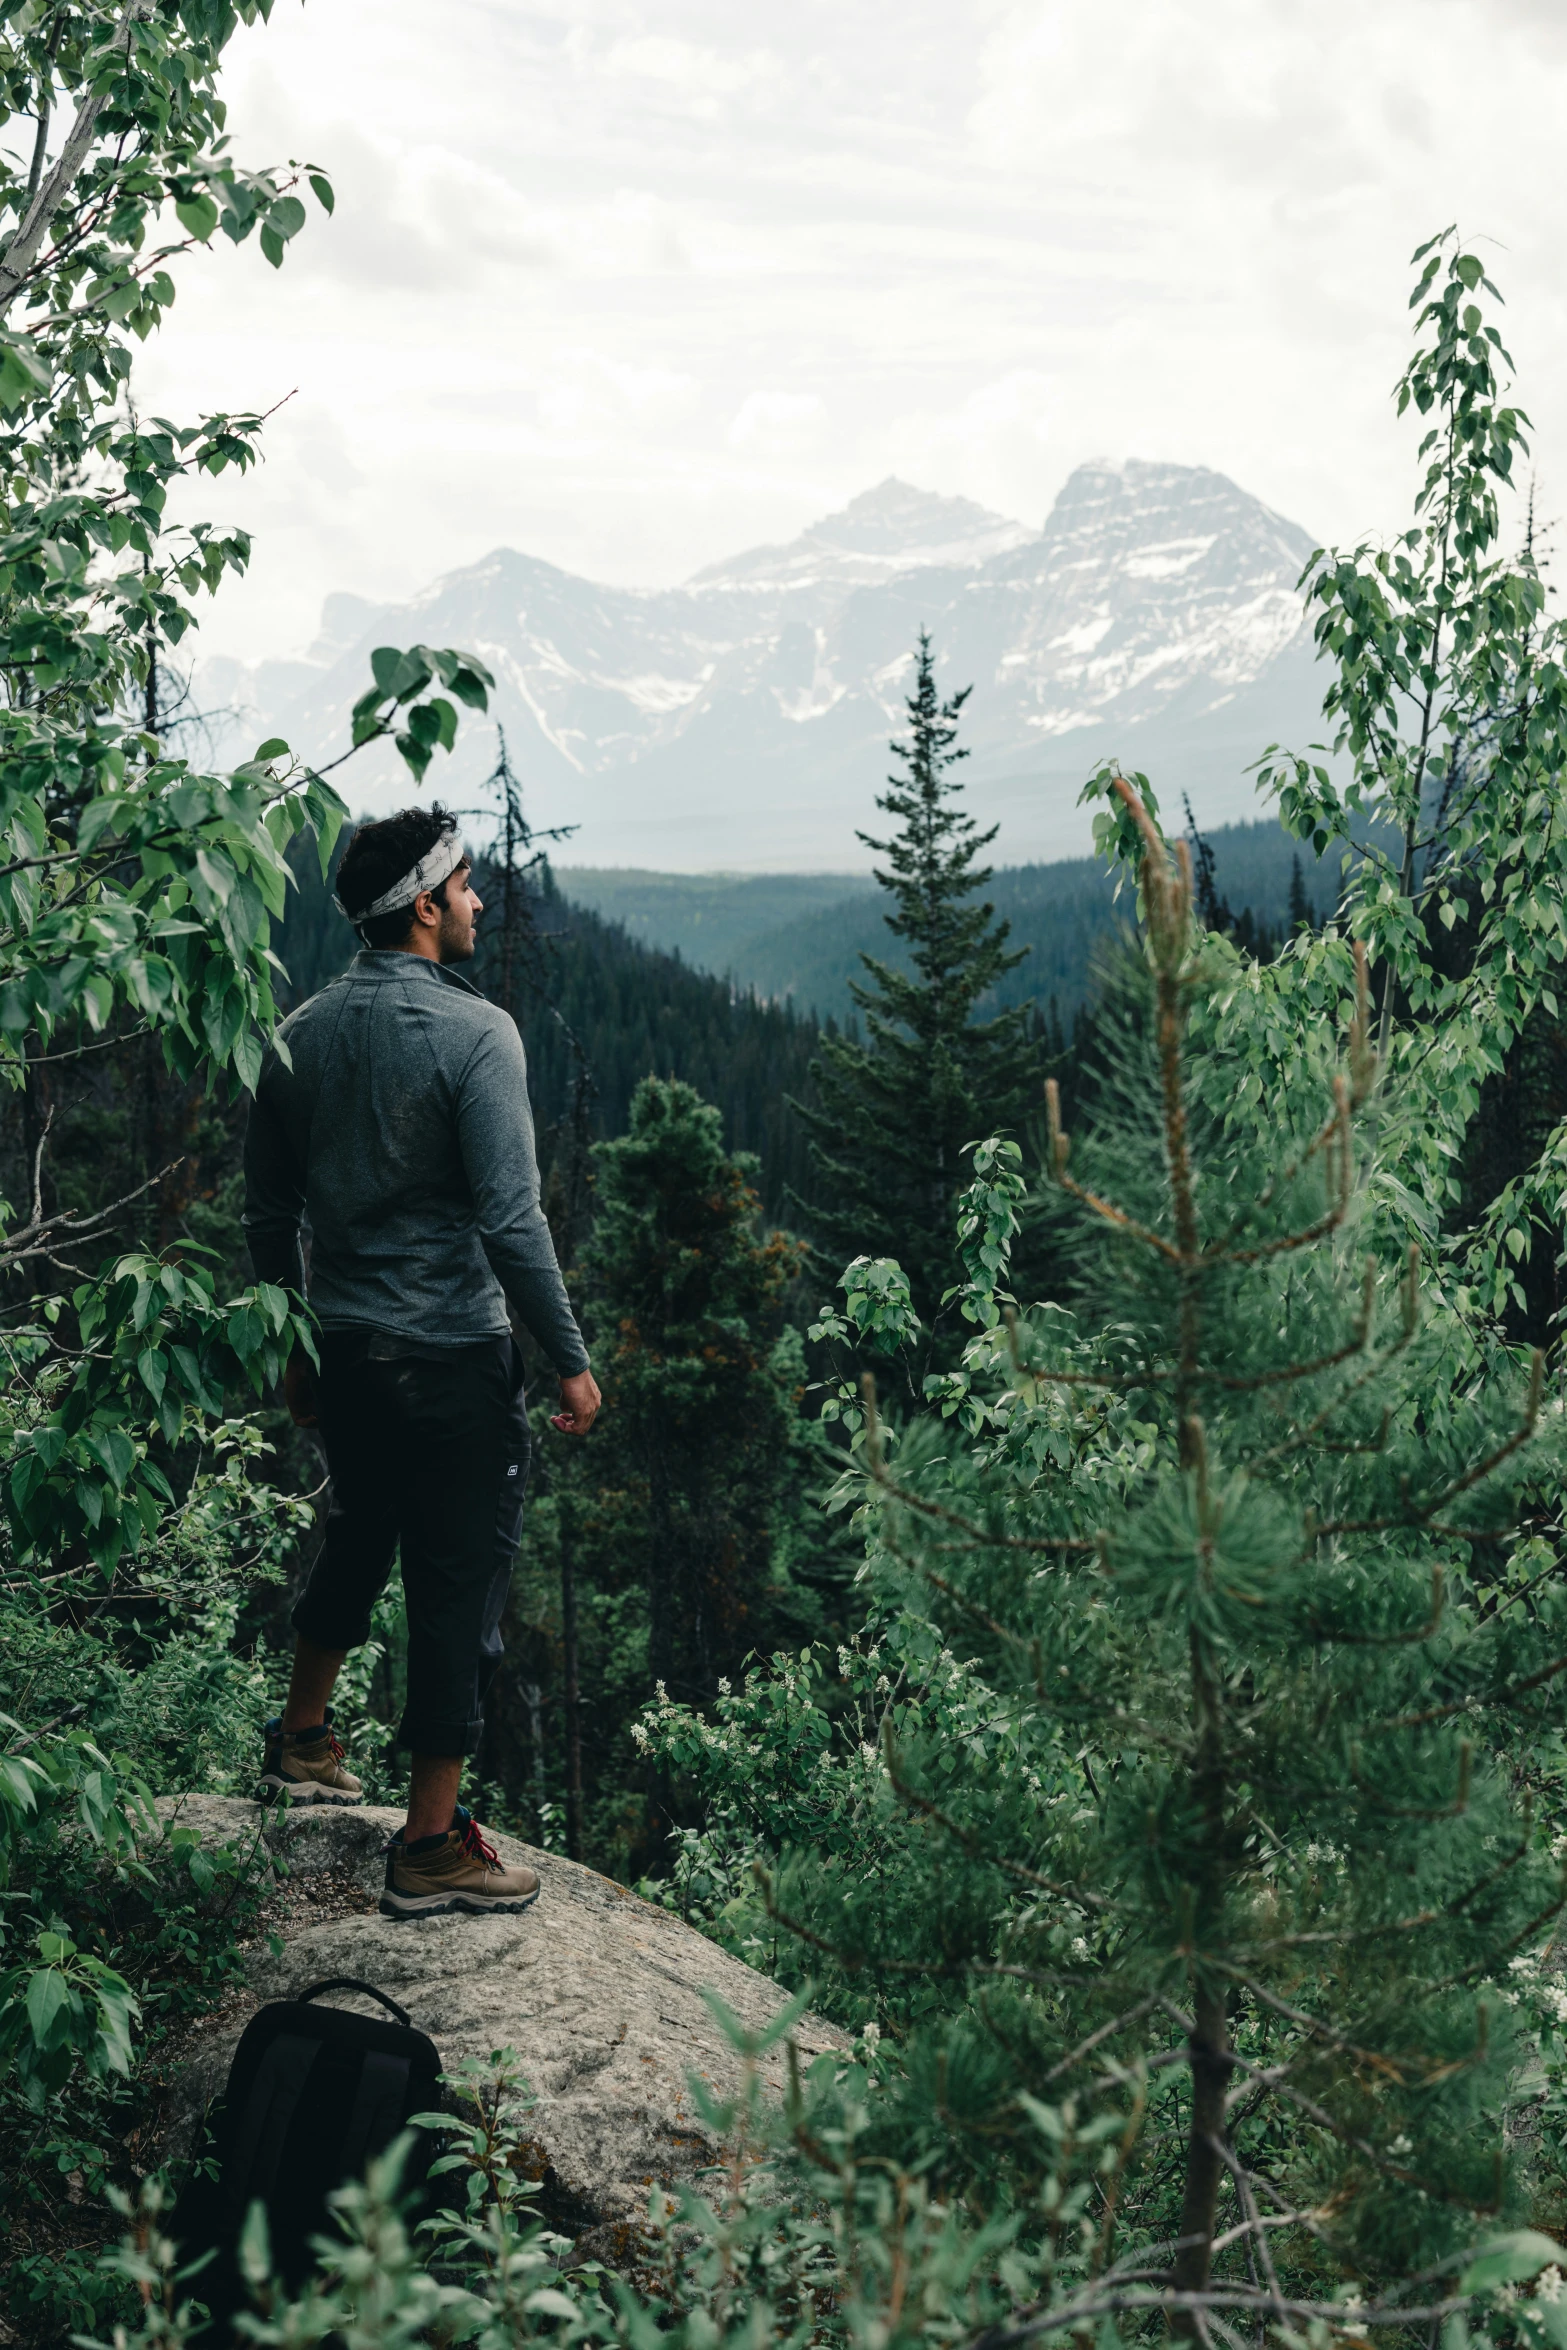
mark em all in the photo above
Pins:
pixel 428 1454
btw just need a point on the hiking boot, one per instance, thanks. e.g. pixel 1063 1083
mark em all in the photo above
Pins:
pixel 306 1766
pixel 458 1871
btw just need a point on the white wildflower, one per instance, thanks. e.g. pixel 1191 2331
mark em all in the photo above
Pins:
pixel 1549 2285
pixel 1401 2145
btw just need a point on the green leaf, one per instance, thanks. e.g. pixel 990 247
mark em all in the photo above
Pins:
pixel 386 667
pixel 198 216
pixel 740 2035
pixel 322 188
pixel 48 1996
pixel 414 754
pixel 1508 2260
pixel 549 2301
pixel 255 2246
pixel 470 681
pixel 248 1058
pixel 114 1451
pixel 211 21
pixel 97 818
pixel 119 299
pixel 23 374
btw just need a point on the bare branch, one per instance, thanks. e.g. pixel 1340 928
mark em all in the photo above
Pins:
pixel 1072 2316
pixel 42 1234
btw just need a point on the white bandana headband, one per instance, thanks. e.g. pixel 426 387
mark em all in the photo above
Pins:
pixel 441 862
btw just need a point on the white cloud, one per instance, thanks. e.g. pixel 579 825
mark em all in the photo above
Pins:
pixel 996 445
pixel 703 75
pixel 775 424
pixel 590 392
pixel 628 289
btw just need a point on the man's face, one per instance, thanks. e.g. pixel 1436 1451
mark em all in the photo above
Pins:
pixel 455 941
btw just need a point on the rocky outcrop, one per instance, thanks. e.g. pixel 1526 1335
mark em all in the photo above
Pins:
pixel 599 1993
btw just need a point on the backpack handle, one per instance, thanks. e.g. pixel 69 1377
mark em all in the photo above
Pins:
pixel 352 1983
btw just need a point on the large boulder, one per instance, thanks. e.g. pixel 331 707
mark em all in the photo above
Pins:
pixel 599 1993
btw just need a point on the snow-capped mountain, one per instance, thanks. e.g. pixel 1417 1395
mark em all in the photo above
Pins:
pixel 891 528
pixel 741 720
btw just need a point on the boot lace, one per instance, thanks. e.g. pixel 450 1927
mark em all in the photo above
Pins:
pixel 478 1847
pixel 335 1746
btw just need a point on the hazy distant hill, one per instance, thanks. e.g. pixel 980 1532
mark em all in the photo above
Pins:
pixel 742 720
pixel 798 938
pixel 717 922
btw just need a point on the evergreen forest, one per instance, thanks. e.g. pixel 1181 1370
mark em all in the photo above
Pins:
pixel 1068 1581
pixel 802 944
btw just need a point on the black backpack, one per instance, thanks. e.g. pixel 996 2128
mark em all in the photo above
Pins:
pixel 313 2095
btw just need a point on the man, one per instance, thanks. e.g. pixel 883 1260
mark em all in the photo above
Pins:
pixel 396 1119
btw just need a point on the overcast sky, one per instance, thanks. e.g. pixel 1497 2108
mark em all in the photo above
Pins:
pixel 632 288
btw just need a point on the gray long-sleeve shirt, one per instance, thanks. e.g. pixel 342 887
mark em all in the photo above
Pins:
pixel 403 1131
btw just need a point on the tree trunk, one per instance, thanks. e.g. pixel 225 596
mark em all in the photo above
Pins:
pixel 1209 2042
pixel 24 247
pixel 661 1603
pixel 1210 2048
pixel 572 1709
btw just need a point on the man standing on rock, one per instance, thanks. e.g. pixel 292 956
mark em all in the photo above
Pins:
pixel 397 1122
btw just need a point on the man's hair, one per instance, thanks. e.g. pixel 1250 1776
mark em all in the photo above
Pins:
pixel 380 854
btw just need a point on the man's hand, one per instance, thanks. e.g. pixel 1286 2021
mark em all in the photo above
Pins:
pixel 299 1390
pixel 580 1400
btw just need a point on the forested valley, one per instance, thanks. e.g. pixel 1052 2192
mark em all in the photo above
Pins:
pixel 799 937
pixel 1068 1580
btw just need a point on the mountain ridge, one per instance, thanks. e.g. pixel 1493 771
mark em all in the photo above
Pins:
pixel 891 527
pixel 742 719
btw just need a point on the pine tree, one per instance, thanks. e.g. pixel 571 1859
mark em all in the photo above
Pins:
pixel 518 968
pixel 895 1113
pixel 687 1300
pixel 1301 913
pixel 684 1521
pixel 1214 1885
